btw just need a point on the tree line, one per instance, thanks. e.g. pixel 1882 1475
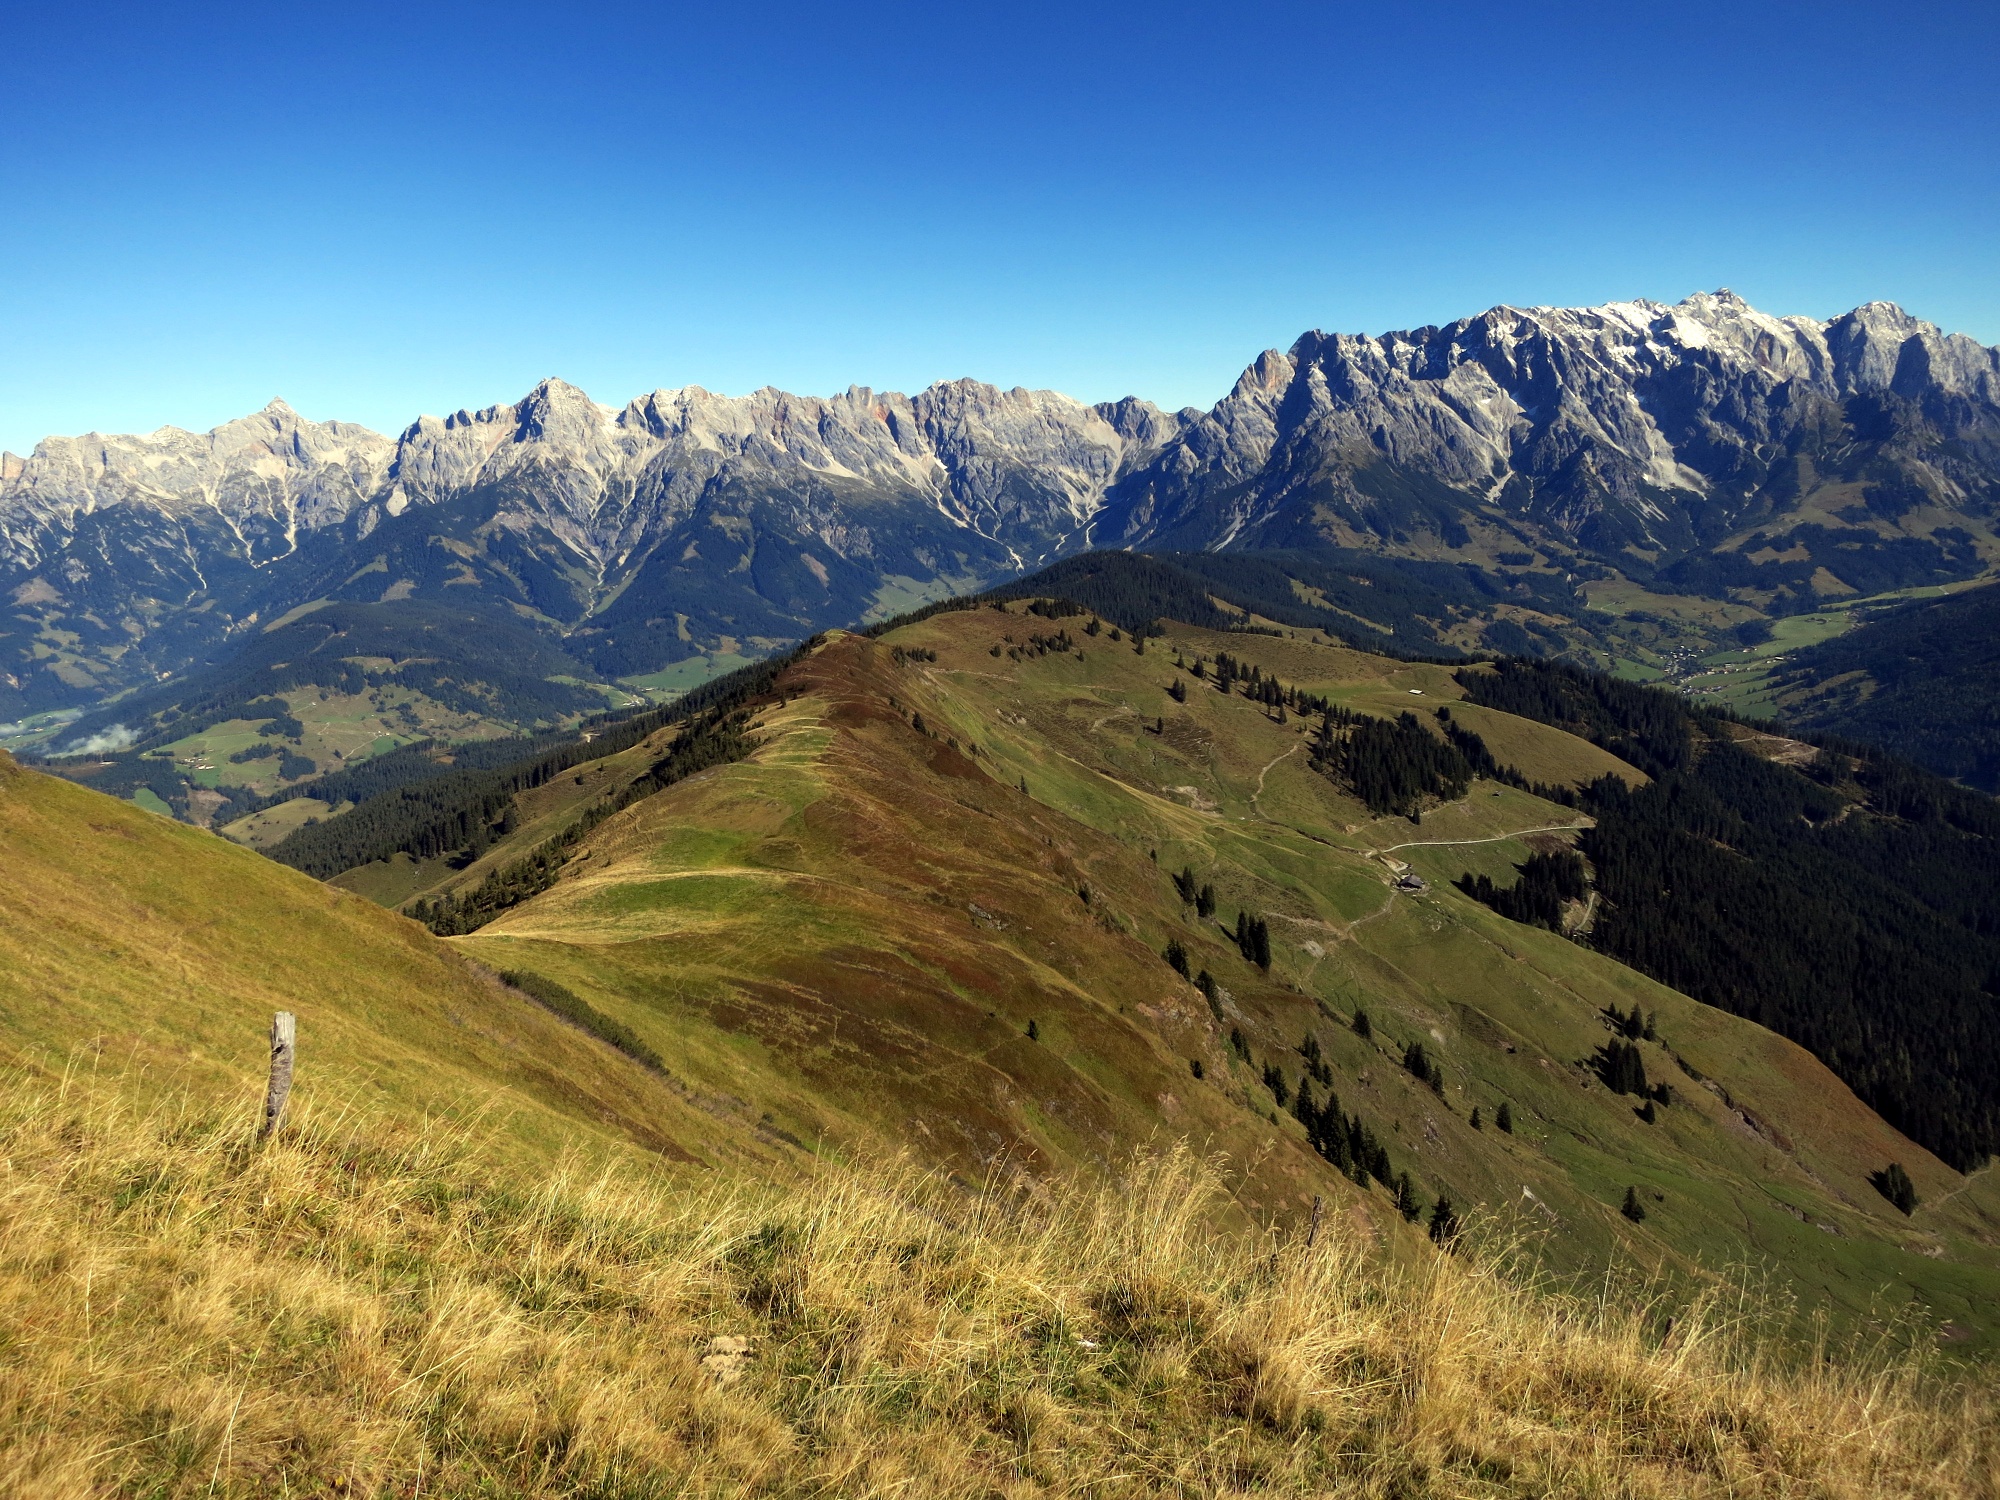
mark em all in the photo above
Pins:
pixel 715 739
pixel 458 811
pixel 1852 904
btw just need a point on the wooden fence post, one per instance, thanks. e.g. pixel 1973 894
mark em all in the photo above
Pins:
pixel 284 1048
pixel 1313 1233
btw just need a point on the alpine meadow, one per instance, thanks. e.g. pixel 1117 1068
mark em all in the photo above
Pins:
pixel 1000 754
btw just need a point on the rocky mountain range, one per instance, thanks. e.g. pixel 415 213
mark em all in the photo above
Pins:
pixel 684 521
pixel 1703 448
pixel 1632 433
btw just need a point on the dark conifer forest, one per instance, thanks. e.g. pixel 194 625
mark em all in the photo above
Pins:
pixel 1546 882
pixel 1851 903
pixel 1922 681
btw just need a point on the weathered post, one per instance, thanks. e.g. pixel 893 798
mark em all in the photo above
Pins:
pixel 1313 1233
pixel 284 1047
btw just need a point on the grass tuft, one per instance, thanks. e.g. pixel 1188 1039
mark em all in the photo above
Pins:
pixel 357 1308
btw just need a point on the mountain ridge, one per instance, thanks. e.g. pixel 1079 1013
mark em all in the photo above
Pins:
pixel 1701 450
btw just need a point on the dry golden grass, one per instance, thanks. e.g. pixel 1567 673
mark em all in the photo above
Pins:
pixel 358 1309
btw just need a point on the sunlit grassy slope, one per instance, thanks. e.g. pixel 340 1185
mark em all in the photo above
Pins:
pixel 854 929
pixel 378 1311
pixel 134 942
pixel 492 1256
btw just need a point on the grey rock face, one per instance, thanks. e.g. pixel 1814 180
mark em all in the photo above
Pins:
pixel 267 477
pixel 1022 467
pixel 1634 436
pixel 116 545
pixel 1632 427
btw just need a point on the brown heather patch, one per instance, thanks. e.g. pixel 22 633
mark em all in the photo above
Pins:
pixel 360 1310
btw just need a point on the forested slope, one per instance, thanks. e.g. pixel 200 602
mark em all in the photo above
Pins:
pixel 1842 897
pixel 1922 681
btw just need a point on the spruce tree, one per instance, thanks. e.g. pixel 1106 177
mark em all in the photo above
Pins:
pixel 1362 1026
pixel 1645 1112
pixel 1444 1222
pixel 1034 1032
pixel 1194 1066
pixel 1504 1117
pixel 1476 1125
pixel 1406 1197
pixel 1274 1080
pixel 1893 1183
pixel 1632 1208
pixel 1204 902
pixel 1622 1069
pixel 1176 957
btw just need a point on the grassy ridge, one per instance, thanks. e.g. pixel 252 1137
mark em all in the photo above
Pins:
pixel 356 1309
pixel 854 927
pixel 129 937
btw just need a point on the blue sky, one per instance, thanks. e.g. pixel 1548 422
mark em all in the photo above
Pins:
pixel 377 210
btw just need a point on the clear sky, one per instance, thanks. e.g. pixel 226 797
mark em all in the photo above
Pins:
pixel 377 210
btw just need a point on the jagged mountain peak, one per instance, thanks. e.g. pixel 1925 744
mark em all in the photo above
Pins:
pixel 556 411
pixel 1586 419
pixel 1627 435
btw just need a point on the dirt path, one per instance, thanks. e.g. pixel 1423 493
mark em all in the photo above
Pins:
pixel 1498 838
pixel 1267 771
